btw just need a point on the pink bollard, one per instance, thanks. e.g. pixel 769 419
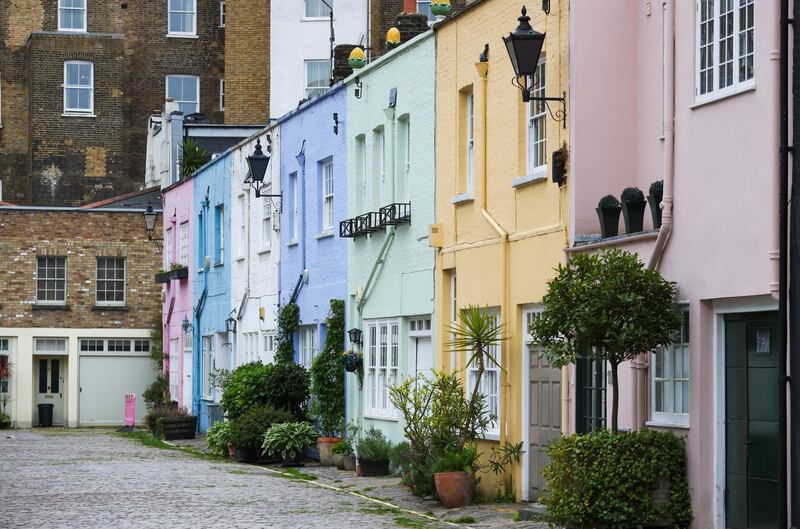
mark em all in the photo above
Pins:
pixel 130 410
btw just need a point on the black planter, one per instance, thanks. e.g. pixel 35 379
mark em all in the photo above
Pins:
pixel 633 215
pixel 609 221
pixel 655 210
pixel 296 461
pixel 178 427
pixel 374 468
pixel 266 459
pixel 246 454
pixel 179 273
pixel 162 277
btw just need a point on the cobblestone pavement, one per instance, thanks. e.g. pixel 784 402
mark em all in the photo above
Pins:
pixel 96 479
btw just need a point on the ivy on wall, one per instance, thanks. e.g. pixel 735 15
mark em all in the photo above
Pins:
pixel 327 374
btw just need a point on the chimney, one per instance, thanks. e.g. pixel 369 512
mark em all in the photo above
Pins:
pixel 410 25
pixel 341 69
pixel 409 6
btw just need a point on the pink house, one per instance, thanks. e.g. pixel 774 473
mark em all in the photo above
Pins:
pixel 687 91
pixel 177 309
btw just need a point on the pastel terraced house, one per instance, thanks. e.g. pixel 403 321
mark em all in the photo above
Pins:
pixel 391 161
pixel 502 222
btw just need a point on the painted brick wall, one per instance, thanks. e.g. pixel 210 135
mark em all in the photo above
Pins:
pixel 247 48
pixel 384 13
pixel 81 237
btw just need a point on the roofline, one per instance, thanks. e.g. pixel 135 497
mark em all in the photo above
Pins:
pixel 311 102
pixel 120 197
pixel 61 209
pixel 387 58
pixel 438 25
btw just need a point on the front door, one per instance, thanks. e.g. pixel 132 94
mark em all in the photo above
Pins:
pixel 751 421
pixel 187 371
pixel 49 378
pixel 545 416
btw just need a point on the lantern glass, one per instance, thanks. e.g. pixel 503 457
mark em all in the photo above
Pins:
pixel 355 335
pixel 524 46
pixel 258 162
pixel 150 219
pixel 230 325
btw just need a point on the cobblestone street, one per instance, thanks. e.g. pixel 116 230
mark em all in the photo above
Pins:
pixel 97 479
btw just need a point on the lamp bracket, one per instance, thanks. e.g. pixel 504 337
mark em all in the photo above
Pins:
pixel 559 115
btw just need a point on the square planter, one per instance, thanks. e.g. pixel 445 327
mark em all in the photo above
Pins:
pixel 179 273
pixel 173 428
pixel 609 221
pixel 633 215
pixel 163 277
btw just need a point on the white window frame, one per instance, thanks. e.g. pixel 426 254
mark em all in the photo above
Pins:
pixel 536 147
pixel 62 8
pixel 424 7
pixel 316 17
pixel 669 378
pixel 184 101
pixel 169 242
pixel 219 242
pixel 308 345
pixel 470 141
pixel 174 364
pixel 5 350
pixel 490 381
pixel 90 88
pixel 381 366
pixel 266 220
pixel 51 346
pixel 222 13
pixel 192 33
pixel 242 228
pixel 407 162
pixel 713 48
pixel 382 164
pixel 208 364
pixel 269 347
pixel 221 95
pixel 63 281
pixel 295 207
pixel 106 303
pixel 313 91
pixel 183 256
pixel 326 195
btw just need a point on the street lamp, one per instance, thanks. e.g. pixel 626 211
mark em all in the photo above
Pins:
pixel 230 324
pixel 355 335
pixel 150 217
pixel 258 163
pixel 187 325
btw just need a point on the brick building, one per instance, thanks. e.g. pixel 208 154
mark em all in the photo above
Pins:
pixel 78 82
pixel 78 301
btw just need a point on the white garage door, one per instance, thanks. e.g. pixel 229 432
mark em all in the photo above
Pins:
pixel 104 381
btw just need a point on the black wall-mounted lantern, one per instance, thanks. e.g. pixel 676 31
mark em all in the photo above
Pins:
pixel 546 7
pixel 258 163
pixel 230 324
pixel 524 47
pixel 359 86
pixel 187 325
pixel 355 335
pixel 150 217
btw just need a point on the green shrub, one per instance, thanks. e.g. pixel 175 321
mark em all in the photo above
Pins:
pixel 288 321
pixel 327 374
pixel 5 421
pixel 248 429
pixel 155 394
pixel 246 388
pixel 218 437
pixel 373 446
pixel 465 460
pixel 400 461
pixel 342 448
pixel 289 439
pixel 287 388
pixel 604 480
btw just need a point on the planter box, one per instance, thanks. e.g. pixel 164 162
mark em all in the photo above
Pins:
pixel 374 468
pixel 633 215
pixel 246 454
pixel 324 447
pixel 178 427
pixel 609 221
pixel 179 273
pixel 163 277
pixel 655 210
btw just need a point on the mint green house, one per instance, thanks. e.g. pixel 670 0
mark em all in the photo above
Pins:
pixel 391 166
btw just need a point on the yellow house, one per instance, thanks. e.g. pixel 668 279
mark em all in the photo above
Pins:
pixel 501 220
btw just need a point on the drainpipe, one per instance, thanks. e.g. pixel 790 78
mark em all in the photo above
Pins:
pixel 793 298
pixel 301 162
pixel 483 71
pixel 783 230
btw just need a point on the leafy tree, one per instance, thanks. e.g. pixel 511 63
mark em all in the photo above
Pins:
pixel 606 306
pixel 193 157
pixel 327 373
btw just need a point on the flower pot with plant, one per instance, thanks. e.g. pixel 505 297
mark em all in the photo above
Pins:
pixel 608 211
pixel 219 438
pixel 454 476
pixel 353 361
pixel 633 204
pixel 247 430
pixel 654 199
pixel 289 440
pixel 373 453
pixel 339 451
pixel 176 423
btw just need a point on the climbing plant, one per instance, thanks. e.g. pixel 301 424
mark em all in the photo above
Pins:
pixel 327 374
pixel 288 321
pixel 158 392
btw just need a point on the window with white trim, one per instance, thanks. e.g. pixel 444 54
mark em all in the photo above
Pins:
pixel 250 347
pixel 318 74
pixel 424 8
pixel 295 218
pixel 182 17
pixel 54 346
pixel 110 281
pixel 327 194
pixel 269 347
pixel 222 95
pixel 169 241
pixel 489 383
pixel 266 220
pixel 317 9
pixel 380 163
pixel 242 227
pixel 470 141
pixel 78 87
pixel 308 344
pixel 51 280
pixel 208 364
pixel 537 125
pixel 184 244
pixel 5 356
pixel 219 234
pixel 185 90
pixel 724 47
pixel 71 15
pixel 361 172
pixel 222 13
pixel 406 153
pixel 174 359
pixel 381 361
pixel 670 378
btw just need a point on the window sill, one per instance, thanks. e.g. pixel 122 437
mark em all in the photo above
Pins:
pixel 707 99
pixel 538 176
pixel 77 115
pixel 667 424
pixel 264 251
pixel 388 418
pixel 240 259
pixel 317 19
pixel 110 308
pixel 217 265
pixel 463 198
pixel 71 31
pixel 324 234
pixel 490 436
pixel 44 306
pixel 182 36
pixel 291 243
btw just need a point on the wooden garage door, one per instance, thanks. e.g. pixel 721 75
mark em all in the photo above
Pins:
pixel 104 381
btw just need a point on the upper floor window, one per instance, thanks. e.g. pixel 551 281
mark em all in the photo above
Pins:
pixel 266 220
pixel 294 220
pixel 670 372
pixel 317 9
pixel 51 280
pixel 489 385
pixel 222 13
pixel 405 149
pixel 380 163
pixel 182 17
pixel 110 281
pixel 185 90
pixel 72 15
pixel 469 140
pixel 222 95
pixel 184 244
pixel 327 195
pixel 242 227
pixel 219 234
pixel 78 87
pixel 169 242
pixel 318 74
pixel 424 8
pixel 724 42
pixel 537 125
pixel 361 172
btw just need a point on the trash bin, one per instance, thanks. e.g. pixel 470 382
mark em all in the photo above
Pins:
pixel 45 414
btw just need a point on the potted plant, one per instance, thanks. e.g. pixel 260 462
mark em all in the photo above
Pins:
pixel 633 205
pixel 247 431
pixel 176 423
pixel 608 211
pixel 289 440
pixel 454 476
pixel 373 453
pixel 340 450
pixel 654 198
pixel 441 8
pixel 162 276
pixel 219 438
pixel 178 271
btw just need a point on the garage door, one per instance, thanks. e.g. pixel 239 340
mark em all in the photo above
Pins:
pixel 104 381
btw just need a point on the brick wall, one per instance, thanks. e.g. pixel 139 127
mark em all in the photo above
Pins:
pixel 247 48
pixel 384 13
pixel 81 237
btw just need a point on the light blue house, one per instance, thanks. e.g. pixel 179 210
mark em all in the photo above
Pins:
pixel 313 267
pixel 211 277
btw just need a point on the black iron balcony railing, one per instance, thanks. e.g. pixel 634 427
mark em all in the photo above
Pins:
pixel 347 229
pixel 394 214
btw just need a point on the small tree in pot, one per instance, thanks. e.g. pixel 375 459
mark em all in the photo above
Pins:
pixel 289 440
pixel 608 211
pixel 654 198
pixel 454 475
pixel 373 453
pixel 633 205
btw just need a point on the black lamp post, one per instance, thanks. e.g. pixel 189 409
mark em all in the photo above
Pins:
pixel 258 163
pixel 524 47
pixel 230 324
pixel 355 335
pixel 150 217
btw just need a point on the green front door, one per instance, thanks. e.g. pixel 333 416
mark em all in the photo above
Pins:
pixel 751 421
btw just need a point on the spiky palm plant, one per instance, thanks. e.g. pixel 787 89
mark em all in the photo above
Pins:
pixel 193 157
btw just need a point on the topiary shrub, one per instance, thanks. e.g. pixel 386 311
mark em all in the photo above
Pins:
pixel 286 388
pixel 327 374
pixel 608 201
pixel 288 320
pixel 632 194
pixel 248 429
pixel 246 388
pixel 657 190
pixel 606 480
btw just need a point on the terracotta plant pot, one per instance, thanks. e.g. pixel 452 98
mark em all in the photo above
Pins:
pixel 324 447
pixel 349 462
pixel 455 489
pixel 232 450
